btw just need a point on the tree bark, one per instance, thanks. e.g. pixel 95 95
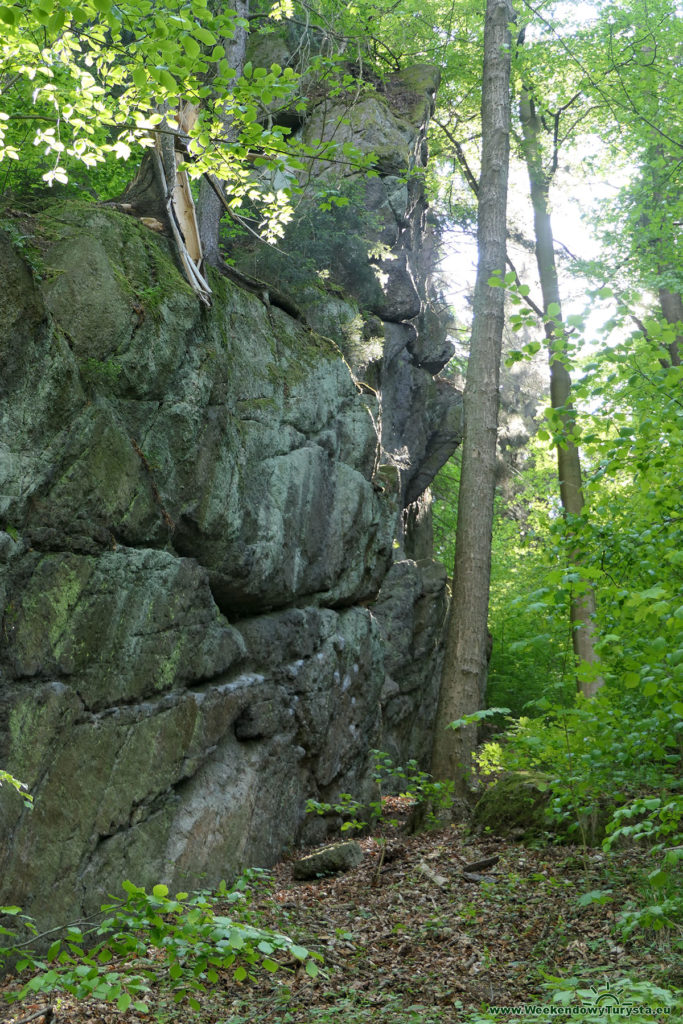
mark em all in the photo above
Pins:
pixel 671 303
pixel 672 309
pixel 582 605
pixel 210 210
pixel 465 663
pixel 161 191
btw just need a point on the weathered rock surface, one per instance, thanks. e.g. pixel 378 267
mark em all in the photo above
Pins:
pixel 514 804
pixel 330 861
pixel 376 255
pixel 203 622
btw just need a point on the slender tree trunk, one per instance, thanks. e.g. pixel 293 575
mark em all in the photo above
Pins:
pixel 671 303
pixel 464 674
pixel 210 210
pixel 672 308
pixel 582 609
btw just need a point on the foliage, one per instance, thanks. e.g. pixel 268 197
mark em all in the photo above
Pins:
pixel 180 943
pixel 624 992
pixel 420 788
pixel 615 753
pixel 600 757
pixel 85 85
pixel 531 649
pixel 621 753
pixel 476 717
pixel 20 787
pixel 87 70
pixel 658 820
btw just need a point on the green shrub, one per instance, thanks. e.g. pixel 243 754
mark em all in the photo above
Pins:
pixel 149 939
pixel 415 784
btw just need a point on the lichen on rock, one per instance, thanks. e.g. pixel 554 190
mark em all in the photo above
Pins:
pixel 207 612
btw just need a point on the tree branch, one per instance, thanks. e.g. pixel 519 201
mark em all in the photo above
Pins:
pixel 461 158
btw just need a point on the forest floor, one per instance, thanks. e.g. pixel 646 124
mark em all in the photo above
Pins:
pixel 432 937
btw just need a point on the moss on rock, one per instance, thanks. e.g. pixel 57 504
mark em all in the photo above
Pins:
pixel 517 804
pixel 514 804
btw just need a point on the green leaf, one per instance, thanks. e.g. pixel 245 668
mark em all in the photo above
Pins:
pixel 166 79
pixel 206 37
pixel 160 891
pixel 240 974
pixel 103 6
pixel 191 46
pixel 553 309
pixel 54 950
pixel 123 1002
pixel 56 22
pixel 596 896
pixel 9 15
pixel 658 878
pixel 311 969
pixel 139 76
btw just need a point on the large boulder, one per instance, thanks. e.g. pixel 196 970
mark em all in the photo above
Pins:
pixel 170 478
pixel 517 804
pixel 199 514
pixel 514 804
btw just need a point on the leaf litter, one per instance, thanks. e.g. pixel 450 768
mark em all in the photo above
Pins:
pixel 449 925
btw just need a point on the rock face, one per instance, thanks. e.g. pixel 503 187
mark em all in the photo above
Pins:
pixel 204 621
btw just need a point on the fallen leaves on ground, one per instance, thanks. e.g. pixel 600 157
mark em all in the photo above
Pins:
pixel 449 924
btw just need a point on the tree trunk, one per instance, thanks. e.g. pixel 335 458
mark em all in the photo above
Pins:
pixel 161 192
pixel 210 209
pixel 672 308
pixel 582 607
pixel 464 674
pixel 161 189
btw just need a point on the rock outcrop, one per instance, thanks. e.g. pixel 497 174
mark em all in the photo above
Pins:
pixel 207 612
